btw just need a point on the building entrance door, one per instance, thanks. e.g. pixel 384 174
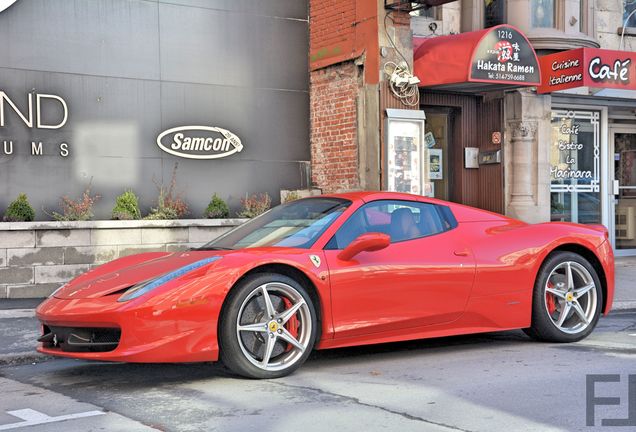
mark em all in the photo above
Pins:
pixel 623 174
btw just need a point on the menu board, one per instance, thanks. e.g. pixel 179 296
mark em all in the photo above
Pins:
pixel 404 156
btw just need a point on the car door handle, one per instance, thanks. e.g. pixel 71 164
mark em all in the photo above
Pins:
pixel 461 252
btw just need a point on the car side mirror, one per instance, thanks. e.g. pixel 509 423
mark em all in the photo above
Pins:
pixel 367 242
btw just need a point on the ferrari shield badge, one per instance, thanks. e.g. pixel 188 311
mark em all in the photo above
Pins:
pixel 315 259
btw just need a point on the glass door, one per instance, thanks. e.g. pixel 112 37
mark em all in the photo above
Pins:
pixel 575 166
pixel 624 149
pixel 436 138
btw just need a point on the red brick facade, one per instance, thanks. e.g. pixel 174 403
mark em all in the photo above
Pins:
pixel 341 32
pixel 334 143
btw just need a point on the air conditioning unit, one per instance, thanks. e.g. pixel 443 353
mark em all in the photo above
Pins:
pixel 625 223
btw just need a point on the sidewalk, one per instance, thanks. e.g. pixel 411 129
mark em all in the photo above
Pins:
pixel 625 295
pixel 19 329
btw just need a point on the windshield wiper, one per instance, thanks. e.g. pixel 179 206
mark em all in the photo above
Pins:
pixel 211 248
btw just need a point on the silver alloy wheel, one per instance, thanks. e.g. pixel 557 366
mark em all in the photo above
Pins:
pixel 570 297
pixel 274 326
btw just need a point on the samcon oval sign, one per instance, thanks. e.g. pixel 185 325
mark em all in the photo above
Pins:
pixel 199 142
pixel 6 3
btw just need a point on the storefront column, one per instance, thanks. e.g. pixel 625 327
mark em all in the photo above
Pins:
pixel 524 135
pixel 526 150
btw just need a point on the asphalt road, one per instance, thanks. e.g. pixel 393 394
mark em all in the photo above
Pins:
pixel 494 382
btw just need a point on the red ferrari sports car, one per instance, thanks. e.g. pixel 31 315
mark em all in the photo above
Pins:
pixel 334 271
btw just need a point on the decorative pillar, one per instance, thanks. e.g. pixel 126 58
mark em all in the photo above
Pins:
pixel 524 135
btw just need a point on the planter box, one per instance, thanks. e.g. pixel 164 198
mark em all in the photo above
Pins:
pixel 37 257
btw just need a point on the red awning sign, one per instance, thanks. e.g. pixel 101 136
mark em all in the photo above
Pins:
pixel 498 55
pixel 588 67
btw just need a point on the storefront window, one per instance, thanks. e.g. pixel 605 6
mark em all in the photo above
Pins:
pixel 494 12
pixel 575 166
pixel 629 6
pixel 542 13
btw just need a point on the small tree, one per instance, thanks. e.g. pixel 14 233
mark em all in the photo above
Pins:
pixel 126 206
pixel 217 208
pixel 170 204
pixel 19 210
pixel 254 205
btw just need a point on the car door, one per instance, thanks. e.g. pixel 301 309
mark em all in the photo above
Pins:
pixel 423 277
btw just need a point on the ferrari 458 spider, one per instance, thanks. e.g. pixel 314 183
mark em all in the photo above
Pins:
pixel 334 271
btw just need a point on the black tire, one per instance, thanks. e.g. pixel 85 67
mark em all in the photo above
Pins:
pixel 544 327
pixel 244 351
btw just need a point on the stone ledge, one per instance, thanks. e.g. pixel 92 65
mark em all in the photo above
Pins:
pixel 42 290
pixel 111 224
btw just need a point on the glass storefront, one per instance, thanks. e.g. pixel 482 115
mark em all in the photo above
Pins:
pixel 575 174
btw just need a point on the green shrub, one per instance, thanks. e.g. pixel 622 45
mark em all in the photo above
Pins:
pixel 254 205
pixel 77 210
pixel 217 209
pixel 19 210
pixel 126 207
pixel 291 196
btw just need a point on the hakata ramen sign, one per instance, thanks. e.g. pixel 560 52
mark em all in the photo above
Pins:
pixel 199 142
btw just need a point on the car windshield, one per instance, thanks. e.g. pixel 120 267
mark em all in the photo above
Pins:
pixel 295 224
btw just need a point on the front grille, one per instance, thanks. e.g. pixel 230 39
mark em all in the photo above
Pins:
pixel 80 339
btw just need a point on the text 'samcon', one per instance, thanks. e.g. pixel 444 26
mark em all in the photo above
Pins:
pixel 199 142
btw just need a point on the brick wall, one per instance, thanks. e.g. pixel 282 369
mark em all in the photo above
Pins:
pixel 38 257
pixel 342 30
pixel 334 144
pixel 331 22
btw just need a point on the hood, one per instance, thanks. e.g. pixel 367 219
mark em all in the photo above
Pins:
pixel 123 274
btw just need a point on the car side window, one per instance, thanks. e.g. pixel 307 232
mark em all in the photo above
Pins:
pixel 401 220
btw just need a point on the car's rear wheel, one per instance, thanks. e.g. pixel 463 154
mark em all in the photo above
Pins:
pixel 567 299
pixel 268 326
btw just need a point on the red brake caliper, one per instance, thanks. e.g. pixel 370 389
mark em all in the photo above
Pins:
pixel 292 324
pixel 549 299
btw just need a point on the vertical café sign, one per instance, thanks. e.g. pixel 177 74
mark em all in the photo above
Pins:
pixel 575 151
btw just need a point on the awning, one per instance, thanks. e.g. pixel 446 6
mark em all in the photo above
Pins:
pixel 588 67
pixel 495 58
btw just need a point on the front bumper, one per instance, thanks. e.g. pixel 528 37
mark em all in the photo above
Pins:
pixel 151 332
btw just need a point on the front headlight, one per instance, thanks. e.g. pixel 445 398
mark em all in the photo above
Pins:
pixel 149 285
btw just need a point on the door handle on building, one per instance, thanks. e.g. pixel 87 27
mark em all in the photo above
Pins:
pixel 615 187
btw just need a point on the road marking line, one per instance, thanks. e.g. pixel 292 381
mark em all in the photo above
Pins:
pixel 34 418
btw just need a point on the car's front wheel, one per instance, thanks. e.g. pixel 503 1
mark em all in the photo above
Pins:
pixel 268 326
pixel 567 299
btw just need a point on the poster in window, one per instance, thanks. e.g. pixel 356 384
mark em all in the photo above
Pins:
pixel 405 160
pixel 435 165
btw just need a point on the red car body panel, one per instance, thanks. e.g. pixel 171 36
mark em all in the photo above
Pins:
pixel 477 277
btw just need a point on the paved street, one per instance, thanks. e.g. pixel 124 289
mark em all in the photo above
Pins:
pixel 494 382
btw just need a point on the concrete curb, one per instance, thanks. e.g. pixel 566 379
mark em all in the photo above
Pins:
pixel 624 305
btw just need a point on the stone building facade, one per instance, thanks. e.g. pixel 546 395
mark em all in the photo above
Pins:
pixel 355 41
